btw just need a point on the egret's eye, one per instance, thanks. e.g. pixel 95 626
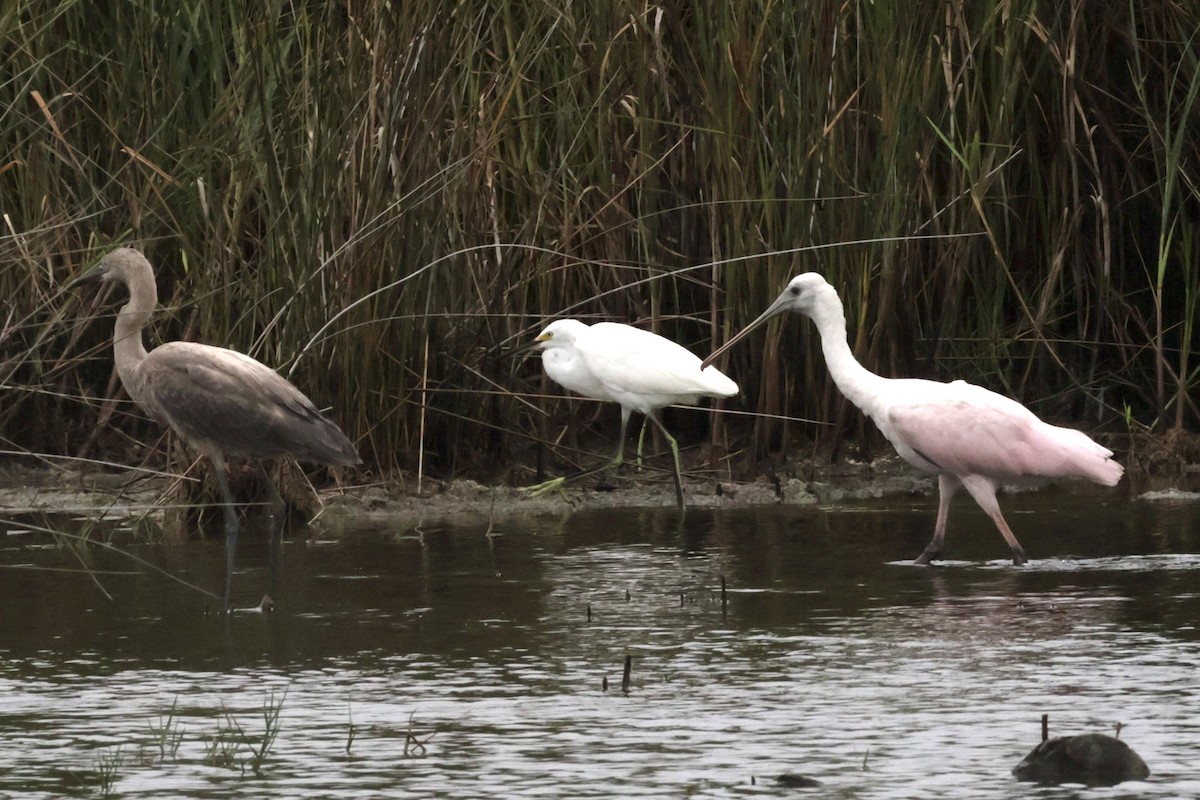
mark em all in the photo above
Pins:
pixel 795 291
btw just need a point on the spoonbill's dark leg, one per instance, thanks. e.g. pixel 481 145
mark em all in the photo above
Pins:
pixel 278 518
pixel 231 526
pixel 984 492
pixel 947 486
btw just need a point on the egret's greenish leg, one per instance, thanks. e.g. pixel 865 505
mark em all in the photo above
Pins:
pixel 642 440
pixel 618 459
pixel 675 454
pixel 555 483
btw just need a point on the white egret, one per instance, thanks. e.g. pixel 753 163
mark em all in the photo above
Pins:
pixel 221 402
pixel 965 434
pixel 639 370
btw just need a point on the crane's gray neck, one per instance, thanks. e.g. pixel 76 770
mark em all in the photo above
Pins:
pixel 860 386
pixel 128 350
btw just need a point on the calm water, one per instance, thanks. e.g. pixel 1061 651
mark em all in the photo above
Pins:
pixel 832 657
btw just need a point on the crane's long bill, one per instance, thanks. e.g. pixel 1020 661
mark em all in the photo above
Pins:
pixel 778 307
pixel 93 275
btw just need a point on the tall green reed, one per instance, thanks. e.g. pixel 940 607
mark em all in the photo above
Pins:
pixel 427 184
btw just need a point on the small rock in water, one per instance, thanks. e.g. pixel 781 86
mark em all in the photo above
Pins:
pixel 1094 759
pixel 794 780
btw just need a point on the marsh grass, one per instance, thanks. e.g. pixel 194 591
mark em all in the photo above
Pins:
pixel 222 747
pixel 232 747
pixel 167 735
pixel 382 199
pixel 107 770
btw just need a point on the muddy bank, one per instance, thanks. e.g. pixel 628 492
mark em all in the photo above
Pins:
pixel 461 499
pixel 397 501
pixel 136 493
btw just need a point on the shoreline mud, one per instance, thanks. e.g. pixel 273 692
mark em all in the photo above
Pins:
pixel 132 493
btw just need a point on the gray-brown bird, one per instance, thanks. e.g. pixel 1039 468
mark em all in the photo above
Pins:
pixel 221 402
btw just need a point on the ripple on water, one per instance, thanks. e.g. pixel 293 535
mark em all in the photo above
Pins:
pixel 466 667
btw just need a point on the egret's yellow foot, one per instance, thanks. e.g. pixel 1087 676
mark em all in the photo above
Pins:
pixel 543 487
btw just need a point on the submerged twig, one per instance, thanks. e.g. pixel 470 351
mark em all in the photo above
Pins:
pixel 414 746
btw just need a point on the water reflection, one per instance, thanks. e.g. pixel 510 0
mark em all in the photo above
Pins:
pixel 484 656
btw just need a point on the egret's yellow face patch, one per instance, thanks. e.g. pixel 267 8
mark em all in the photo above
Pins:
pixel 545 337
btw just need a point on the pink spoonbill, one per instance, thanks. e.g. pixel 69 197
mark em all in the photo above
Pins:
pixel 966 435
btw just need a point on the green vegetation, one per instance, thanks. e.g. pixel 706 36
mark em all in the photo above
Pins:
pixel 232 748
pixel 107 770
pixel 167 735
pixel 382 198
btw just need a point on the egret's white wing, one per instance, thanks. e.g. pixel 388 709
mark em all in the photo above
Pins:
pixel 632 362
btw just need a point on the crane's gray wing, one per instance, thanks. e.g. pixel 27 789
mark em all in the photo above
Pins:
pixel 218 398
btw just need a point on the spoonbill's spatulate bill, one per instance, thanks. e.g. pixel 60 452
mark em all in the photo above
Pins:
pixel 965 434
pixel 221 402
pixel 639 370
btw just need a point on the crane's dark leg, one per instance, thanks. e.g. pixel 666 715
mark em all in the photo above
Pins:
pixel 947 486
pixel 278 518
pixel 555 483
pixel 675 453
pixel 231 526
pixel 984 492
